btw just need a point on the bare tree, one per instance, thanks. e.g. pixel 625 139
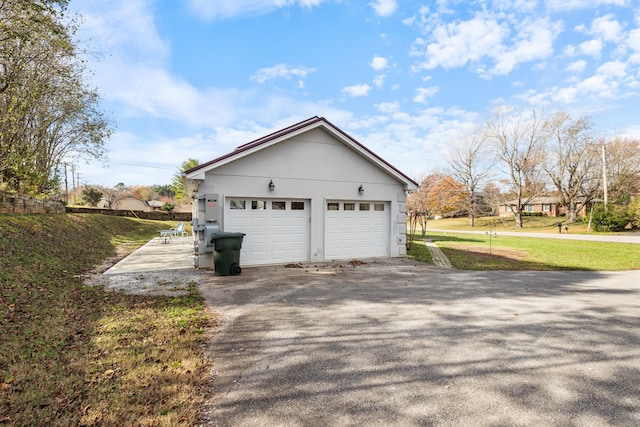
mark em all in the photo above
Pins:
pixel 519 142
pixel 622 156
pixel 573 161
pixel 469 166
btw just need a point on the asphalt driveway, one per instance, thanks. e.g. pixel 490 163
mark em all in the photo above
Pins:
pixel 398 343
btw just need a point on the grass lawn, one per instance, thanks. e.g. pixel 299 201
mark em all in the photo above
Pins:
pixel 71 354
pixel 482 252
pixel 531 224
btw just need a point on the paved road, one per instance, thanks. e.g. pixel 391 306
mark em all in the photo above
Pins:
pixel 613 238
pixel 394 343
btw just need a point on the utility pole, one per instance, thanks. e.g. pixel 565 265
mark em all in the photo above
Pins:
pixel 73 181
pixel 604 176
pixel 66 185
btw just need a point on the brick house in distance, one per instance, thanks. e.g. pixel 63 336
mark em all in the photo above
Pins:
pixel 544 206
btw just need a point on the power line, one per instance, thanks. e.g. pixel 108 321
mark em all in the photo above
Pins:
pixel 141 165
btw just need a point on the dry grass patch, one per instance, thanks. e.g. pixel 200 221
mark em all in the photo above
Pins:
pixel 72 354
pixel 147 361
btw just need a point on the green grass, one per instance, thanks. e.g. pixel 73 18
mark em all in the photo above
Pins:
pixel 72 354
pixel 480 252
pixel 418 251
pixel 530 224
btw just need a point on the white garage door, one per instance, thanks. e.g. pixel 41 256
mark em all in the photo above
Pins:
pixel 356 229
pixel 277 231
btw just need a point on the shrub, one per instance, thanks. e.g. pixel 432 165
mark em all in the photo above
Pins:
pixel 616 219
pixel 634 211
pixel 168 207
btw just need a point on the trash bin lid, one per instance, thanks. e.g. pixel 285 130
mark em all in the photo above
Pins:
pixel 224 235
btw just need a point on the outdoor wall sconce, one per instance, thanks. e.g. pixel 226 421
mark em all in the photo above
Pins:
pixel 361 190
pixel 271 185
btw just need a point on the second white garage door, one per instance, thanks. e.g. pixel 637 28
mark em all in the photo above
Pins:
pixel 356 229
pixel 277 231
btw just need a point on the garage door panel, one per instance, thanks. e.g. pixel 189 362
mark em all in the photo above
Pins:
pixel 237 222
pixel 356 233
pixel 280 222
pixel 279 238
pixel 260 221
pixel 298 238
pixel 272 235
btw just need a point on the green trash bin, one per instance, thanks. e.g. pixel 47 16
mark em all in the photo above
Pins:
pixel 226 253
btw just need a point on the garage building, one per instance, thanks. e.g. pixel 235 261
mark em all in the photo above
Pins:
pixel 307 193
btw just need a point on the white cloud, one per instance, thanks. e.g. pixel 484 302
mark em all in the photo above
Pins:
pixel 282 71
pixel 565 95
pixel 577 66
pixel 484 40
pixel 134 76
pixel 591 48
pixel 220 9
pixel 456 44
pixel 378 80
pixel 607 28
pixel 533 41
pixel 126 28
pixel 422 93
pixel 357 90
pixel 379 63
pixel 614 69
pixel 384 7
pixel 564 5
pixel 598 85
pixel 388 107
pixel 605 84
pixel 633 41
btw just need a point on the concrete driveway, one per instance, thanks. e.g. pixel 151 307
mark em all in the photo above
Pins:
pixel 397 343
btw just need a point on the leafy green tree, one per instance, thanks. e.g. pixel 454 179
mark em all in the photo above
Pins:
pixel 91 196
pixel 165 191
pixel 47 112
pixel 178 182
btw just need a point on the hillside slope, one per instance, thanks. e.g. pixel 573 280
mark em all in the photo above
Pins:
pixel 67 350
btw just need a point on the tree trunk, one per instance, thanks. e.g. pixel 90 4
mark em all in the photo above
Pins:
pixel 518 216
pixel 572 212
pixel 472 220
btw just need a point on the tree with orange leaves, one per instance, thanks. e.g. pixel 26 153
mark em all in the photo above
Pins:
pixel 438 194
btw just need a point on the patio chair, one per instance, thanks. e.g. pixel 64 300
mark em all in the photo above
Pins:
pixel 167 235
pixel 179 230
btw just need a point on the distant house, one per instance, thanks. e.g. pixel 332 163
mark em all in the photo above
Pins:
pixel 543 206
pixel 155 205
pixel 130 203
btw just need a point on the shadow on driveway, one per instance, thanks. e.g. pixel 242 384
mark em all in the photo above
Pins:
pixel 393 342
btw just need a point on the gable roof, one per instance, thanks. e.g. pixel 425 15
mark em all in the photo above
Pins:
pixel 291 131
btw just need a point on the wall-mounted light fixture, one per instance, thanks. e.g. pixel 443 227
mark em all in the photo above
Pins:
pixel 271 185
pixel 361 190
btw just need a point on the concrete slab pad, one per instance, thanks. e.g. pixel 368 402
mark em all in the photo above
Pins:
pixel 156 255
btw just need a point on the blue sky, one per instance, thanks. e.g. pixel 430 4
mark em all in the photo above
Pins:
pixel 196 78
